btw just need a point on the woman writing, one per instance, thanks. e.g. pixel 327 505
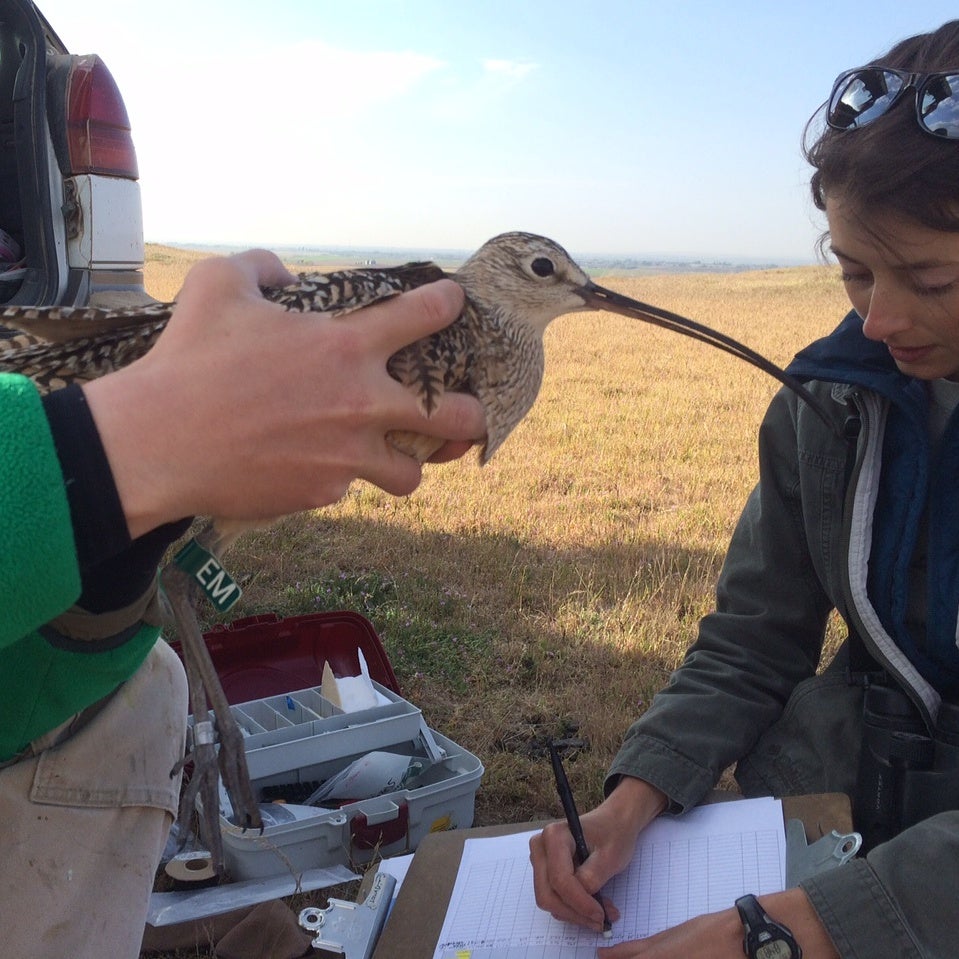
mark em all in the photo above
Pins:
pixel 862 519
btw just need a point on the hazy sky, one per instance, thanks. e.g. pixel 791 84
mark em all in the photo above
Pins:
pixel 611 126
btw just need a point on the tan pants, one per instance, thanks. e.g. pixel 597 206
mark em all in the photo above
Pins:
pixel 84 820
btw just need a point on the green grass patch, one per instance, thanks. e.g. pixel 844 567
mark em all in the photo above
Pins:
pixel 424 626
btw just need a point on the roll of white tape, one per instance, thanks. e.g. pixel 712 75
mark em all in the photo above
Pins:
pixel 191 868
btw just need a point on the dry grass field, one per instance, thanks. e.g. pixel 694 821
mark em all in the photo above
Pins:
pixel 558 586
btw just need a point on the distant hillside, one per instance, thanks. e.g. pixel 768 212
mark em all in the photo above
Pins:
pixel 612 264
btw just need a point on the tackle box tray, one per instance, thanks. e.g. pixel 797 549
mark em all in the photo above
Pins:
pixel 290 730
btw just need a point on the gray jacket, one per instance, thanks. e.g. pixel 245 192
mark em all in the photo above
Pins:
pixel 748 690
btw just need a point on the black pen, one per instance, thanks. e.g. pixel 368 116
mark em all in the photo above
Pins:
pixel 575 826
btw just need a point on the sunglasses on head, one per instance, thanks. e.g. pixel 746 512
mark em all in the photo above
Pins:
pixel 862 95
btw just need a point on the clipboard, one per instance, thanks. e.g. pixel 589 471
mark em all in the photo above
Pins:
pixel 414 925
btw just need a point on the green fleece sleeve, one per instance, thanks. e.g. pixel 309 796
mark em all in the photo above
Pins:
pixel 39 575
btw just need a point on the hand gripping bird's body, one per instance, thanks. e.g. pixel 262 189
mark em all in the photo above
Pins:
pixel 515 285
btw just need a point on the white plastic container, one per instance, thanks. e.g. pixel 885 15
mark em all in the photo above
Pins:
pixel 301 738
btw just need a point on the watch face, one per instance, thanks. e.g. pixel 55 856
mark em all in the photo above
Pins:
pixel 777 949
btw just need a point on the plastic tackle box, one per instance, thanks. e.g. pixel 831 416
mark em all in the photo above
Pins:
pixel 441 798
pixel 271 669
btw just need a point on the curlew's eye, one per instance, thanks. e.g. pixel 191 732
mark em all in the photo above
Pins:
pixel 542 266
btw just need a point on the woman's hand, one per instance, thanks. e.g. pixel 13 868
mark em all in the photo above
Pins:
pixel 611 829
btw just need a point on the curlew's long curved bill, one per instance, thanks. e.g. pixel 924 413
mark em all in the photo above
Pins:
pixel 603 299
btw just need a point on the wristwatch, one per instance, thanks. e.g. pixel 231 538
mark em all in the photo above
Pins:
pixel 763 937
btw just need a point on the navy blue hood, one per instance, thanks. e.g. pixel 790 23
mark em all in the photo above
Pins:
pixel 846 356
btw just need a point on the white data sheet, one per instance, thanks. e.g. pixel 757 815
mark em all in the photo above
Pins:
pixel 684 866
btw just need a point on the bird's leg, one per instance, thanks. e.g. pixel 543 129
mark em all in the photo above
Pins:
pixel 182 592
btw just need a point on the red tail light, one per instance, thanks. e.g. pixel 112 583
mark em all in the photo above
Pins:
pixel 98 137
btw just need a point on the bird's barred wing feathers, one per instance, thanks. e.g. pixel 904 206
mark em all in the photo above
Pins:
pixel 431 366
pixel 57 345
pixel 344 291
pixel 53 366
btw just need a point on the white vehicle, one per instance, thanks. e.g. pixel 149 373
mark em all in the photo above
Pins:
pixel 71 223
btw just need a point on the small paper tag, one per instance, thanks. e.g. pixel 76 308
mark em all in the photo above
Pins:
pixel 220 587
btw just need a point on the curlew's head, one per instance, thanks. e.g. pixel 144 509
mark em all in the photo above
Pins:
pixel 528 276
pixel 530 279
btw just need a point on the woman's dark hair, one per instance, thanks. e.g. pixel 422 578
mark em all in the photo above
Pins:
pixel 891 166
